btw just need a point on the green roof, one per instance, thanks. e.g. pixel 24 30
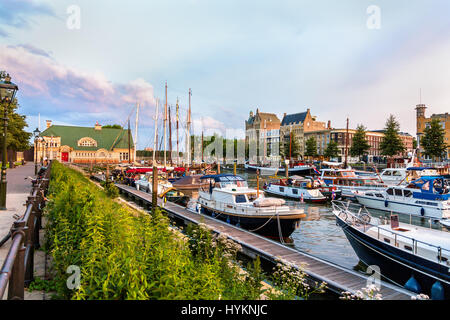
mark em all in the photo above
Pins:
pixel 107 138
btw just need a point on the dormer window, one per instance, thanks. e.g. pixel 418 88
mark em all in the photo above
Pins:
pixel 87 142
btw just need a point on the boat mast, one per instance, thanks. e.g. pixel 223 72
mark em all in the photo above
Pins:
pixel 170 138
pixel 156 134
pixel 188 146
pixel 136 130
pixel 129 141
pixel 202 146
pixel 346 146
pixel 165 125
pixel 178 151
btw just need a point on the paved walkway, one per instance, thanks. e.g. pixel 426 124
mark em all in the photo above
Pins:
pixel 18 190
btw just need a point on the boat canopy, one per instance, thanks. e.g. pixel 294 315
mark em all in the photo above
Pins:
pixel 419 168
pixel 433 188
pixel 224 177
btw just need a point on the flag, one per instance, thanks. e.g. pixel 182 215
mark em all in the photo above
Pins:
pixel 315 170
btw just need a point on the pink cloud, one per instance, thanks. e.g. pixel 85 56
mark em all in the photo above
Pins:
pixel 40 76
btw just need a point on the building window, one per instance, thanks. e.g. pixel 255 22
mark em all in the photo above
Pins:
pixel 87 142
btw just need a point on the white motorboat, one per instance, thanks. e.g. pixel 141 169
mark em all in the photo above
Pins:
pixel 297 188
pixel 228 198
pixel 349 183
pixel 145 184
pixel 426 197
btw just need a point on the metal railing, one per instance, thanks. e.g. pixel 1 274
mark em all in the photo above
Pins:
pixel 18 267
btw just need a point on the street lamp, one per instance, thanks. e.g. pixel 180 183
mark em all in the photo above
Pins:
pixel 7 93
pixel 36 134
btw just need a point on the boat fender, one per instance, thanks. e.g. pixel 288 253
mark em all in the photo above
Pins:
pixel 386 203
pixel 437 291
pixel 228 219
pixel 413 285
pixel 422 211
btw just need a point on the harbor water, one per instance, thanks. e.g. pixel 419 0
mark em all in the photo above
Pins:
pixel 319 235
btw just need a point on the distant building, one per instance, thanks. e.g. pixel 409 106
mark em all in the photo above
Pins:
pixel 263 130
pixel 423 122
pixel 301 125
pixel 85 144
pixel 374 138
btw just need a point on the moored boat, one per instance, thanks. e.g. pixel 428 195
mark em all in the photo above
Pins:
pixel 415 257
pixel 426 197
pixel 297 188
pixel 145 184
pixel 349 183
pixel 228 198
pixel 299 168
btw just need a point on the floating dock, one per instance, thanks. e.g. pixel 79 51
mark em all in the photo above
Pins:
pixel 338 278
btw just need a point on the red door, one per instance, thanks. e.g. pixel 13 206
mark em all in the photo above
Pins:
pixel 64 156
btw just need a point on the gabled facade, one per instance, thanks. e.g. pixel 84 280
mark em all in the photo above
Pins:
pixel 85 144
pixel 263 130
pixel 299 124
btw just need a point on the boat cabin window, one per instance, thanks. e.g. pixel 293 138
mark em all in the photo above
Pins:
pixel 379 195
pixel 294 191
pixel 387 173
pixel 408 248
pixel 390 191
pixel 281 189
pixel 240 198
pixel 251 196
pixel 396 174
pixel 398 193
pixel 407 193
pixel 369 194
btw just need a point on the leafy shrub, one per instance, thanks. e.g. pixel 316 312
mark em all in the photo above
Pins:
pixel 110 189
pixel 123 255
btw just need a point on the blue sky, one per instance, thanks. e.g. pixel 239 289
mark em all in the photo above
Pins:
pixel 279 56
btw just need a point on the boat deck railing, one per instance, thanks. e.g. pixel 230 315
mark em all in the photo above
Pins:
pixel 363 218
pixel 248 208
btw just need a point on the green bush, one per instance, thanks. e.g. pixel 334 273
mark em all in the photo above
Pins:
pixel 110 189
pixel 123 255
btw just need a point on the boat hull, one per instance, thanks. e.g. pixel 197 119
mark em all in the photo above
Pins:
pixel 298 198
pixel 300 170
pixel 374 252
pixel 398 207
pixel 265 226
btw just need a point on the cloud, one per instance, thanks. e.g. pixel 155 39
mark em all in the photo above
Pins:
pixel 46 84
pixel 19 13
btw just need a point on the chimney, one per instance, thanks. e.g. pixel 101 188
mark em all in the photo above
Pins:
pixel 49 123
pixel 97 126
pixel 329 124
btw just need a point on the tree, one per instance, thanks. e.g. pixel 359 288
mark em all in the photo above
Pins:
pixel 17 139
pixel 311 147
pixel 331 151
pixel 360 146
pixel 432 141
pixel 391 144
pixel 290 147
pixel 113 126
